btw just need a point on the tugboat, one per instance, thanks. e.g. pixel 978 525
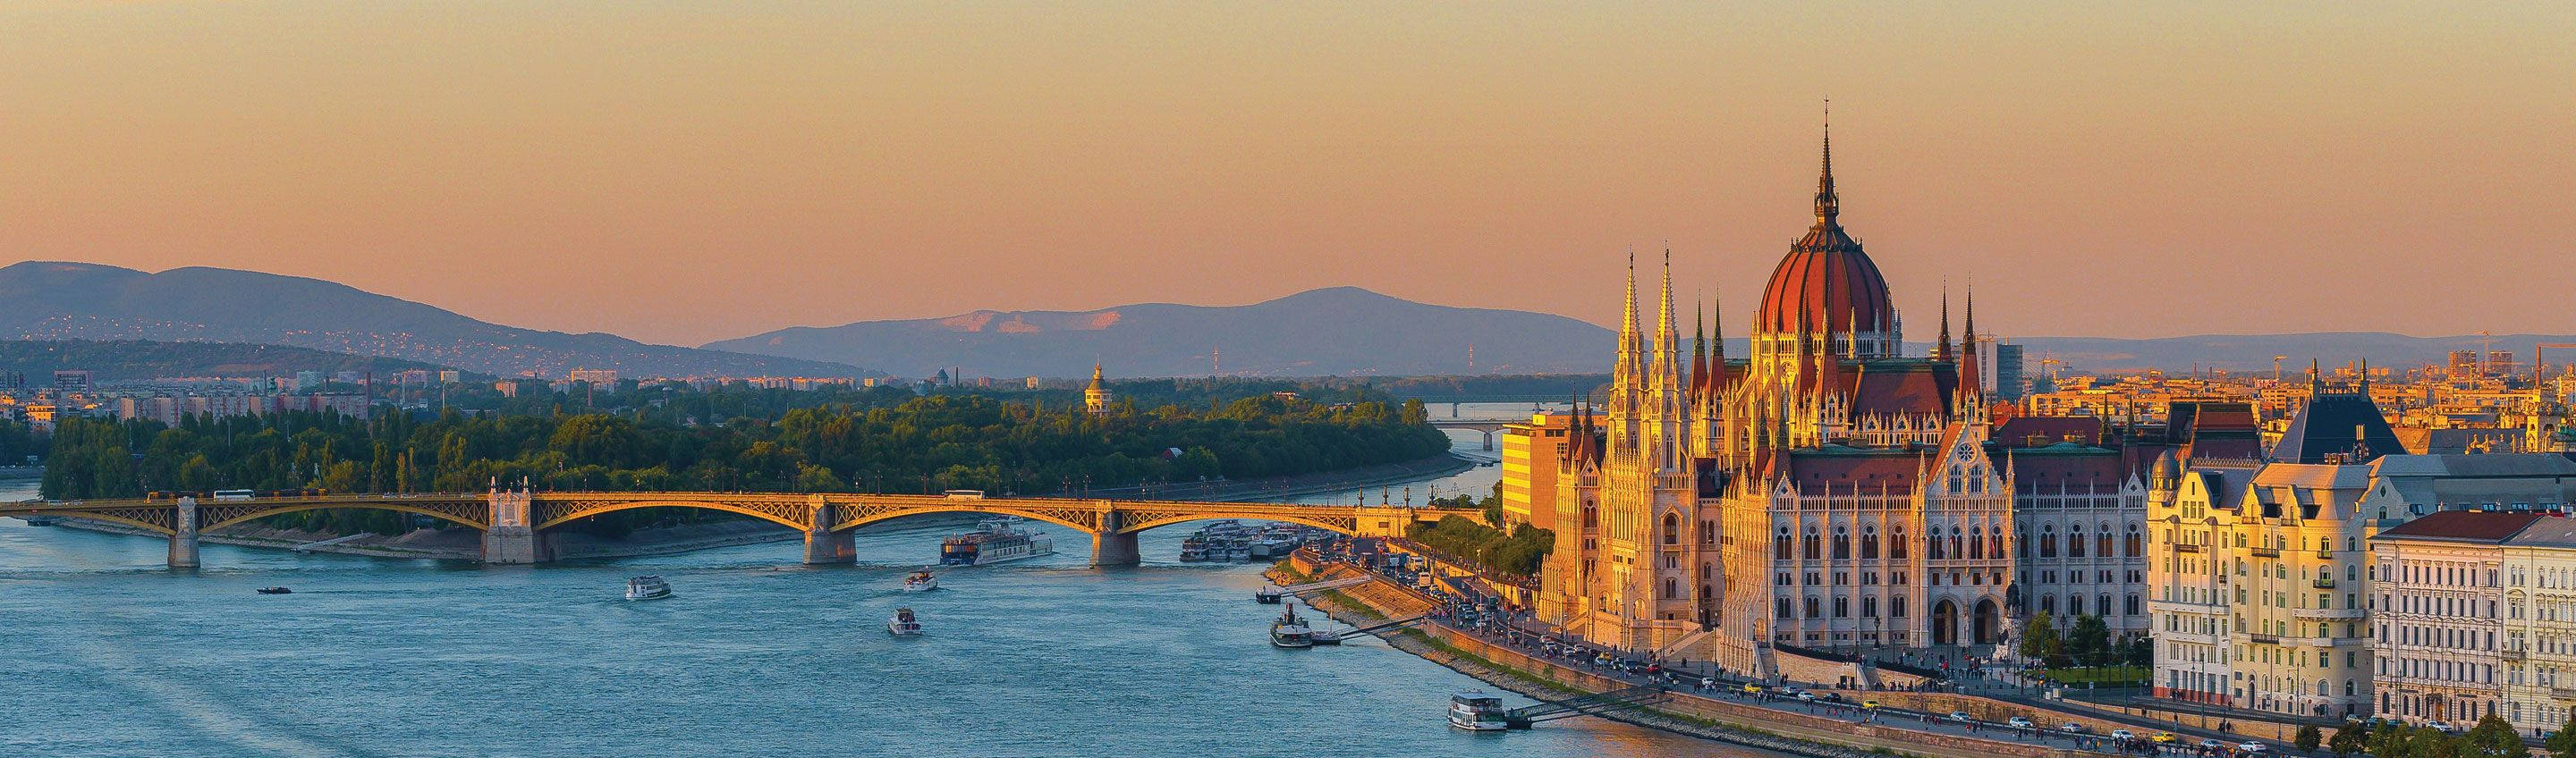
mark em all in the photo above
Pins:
pixel 1478 712
pixel 1290 632
pixel 1269 594
pixel 645 588
pixel 903 624
pixel 994 541
pixel 920 581
pixel 275 591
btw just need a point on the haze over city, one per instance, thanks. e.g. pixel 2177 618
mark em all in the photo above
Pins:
pixel 691 172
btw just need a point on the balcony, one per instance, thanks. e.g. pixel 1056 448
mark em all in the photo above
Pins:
pixel 2563 693
pixel 2323 583
pixel 2265 552
pixel 2185 548
pixel 2328 614
pixel 2512 653
pixel 2327 553
pixel 2263 639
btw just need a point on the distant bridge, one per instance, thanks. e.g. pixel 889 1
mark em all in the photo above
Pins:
pixel 511 519
pixel 1489 426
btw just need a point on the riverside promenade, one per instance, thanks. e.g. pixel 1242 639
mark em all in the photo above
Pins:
pixel 1707 705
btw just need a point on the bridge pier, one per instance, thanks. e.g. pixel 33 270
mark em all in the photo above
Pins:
pixel 510 540
pixel 1489 439
pixel 1115 550
pixel 823 546
pixel 183 536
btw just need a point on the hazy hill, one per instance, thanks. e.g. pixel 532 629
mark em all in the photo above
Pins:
pixel 45 300
pixel 124 361
pixel 1339 330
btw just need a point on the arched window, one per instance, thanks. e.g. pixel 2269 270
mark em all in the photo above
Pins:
pixel 2074 540
pixel 1672 588
pixel 2048 540
pixel 1783 608
pixel 1842 543
pixel 2102 542
pixel 1897 547
pixel 1591 517
pixel 1707 532
pixel 2136 544
pixel 1812 546
pixel 1842 607
pixel 1868 542
pixel 1780 547
pixel 1957 542
pixel 1815 608
pixel 1896 607
pixel 1672 529
pixel 1995 549
pixel 1932 544
pixel 1977 543
pixel 2023 548
pixel 2131 606
pixel 2102 605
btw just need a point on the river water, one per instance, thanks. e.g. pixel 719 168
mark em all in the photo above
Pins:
pixel 109 654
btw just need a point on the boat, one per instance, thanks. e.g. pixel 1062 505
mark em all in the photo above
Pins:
pixel 1272 546
pixel 920 581
pixel 275 591
pixel 903 624
pixel 1194 549
pixel 41 520
pixel 1291 632
pixel 1269 594
pixel 1478 712
pixel 647 588
pixel 994 541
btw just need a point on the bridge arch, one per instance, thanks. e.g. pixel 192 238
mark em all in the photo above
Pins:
pixel 230 516
pixel 162 529
pixel 589 509
pixel 1143 524
pixel 865 516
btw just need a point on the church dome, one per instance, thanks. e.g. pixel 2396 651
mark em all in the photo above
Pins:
pixel 1826 284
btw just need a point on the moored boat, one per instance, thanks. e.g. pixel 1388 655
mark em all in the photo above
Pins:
pixel 647 588
pixel 1269 594
pixel 1291 632
pixel 275 591
pixel 1478 712
pixel 920 581
pixel 904 624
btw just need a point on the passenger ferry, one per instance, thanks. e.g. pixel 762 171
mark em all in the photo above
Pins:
pixel 1478 712
pixel 903 624
pixel 920 581
pixel 1291 632
pixel 1194 549
pixel 647 588
pixel 994 541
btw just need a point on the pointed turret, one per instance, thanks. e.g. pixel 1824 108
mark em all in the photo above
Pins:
pixel 1941 349
pixel 1972 378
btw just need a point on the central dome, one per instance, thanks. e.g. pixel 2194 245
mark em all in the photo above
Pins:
pixel 1826 284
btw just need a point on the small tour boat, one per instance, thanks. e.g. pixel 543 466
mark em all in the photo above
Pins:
pixel 1269 594
pixel 275 591
pixel 903 624
pixel 1291 632
pixel 1478 712
pixel 920 581
pixel 647 588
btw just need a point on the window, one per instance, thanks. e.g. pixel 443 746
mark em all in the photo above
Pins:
pixel 2136 543
pixel 2075 540
pixel 1780 547
pixel 1783 610
pixel 1815 608
pixel 1842 543
pixel 1869 607
pixel 1868 542
pixel 1672 529
pixel 2102 542
pixel 1812 545
pixel 1977 543
pixel 2048 540
pixel 1897 547
pixel 1896 607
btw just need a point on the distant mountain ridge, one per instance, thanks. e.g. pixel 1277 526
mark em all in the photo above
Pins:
pixel 1331 331
pixel 53 300
pixel 131 361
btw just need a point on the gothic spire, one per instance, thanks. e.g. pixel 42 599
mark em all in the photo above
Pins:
pixel 1828 205
pixel 1941 350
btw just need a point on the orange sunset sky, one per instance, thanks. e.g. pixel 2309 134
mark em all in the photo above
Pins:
pixel 689 171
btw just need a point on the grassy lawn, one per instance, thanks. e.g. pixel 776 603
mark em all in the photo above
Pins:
pixel 2106 676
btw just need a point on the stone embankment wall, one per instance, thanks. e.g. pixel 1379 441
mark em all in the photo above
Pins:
pixel 1711 717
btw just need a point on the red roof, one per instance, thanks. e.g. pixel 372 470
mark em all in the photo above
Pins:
pixel 2463 526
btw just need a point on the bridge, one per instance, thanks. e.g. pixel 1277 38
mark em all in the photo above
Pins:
pixel 1490 427
pixel 513 520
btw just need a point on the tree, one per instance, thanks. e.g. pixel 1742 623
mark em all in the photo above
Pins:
pixel 2089 641
pixel 2348 739
pixel 2428 742
pixel 2308 738
pixel 2562 744
pixel 2390 741
pixel 2493 737
pixel 2039 637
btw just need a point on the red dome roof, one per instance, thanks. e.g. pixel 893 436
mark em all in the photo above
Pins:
pixel 1826 282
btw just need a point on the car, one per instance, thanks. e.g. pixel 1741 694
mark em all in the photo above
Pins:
pixel 1831 697
pixel 2019 722
pixel 1708 682
pixel 1808 697
pixel 2252 748
pixel 2123 734
pixel 1869 704
pixel 2211 744
pixel 2162 738
pixel 2073 728
pixel 1959 716
pixel 1793 691
pixel 2439 726
pixel 1753 689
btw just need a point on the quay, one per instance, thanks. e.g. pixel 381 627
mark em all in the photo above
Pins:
pixel 1714 705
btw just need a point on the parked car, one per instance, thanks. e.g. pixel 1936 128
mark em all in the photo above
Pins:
pixel 1959 716
pixel 2162 738
pixel 1708 682
pixel 1869 704
pixel 2019 722
pixel 2073 728
pixel 2252 748
pixel 1753 689
pixel 2123 734
pixel 1807 697
pixel 2211 744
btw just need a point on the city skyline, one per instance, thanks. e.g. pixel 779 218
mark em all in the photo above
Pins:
pixel 680 177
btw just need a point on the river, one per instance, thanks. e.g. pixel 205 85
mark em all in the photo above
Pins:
pixel 110 654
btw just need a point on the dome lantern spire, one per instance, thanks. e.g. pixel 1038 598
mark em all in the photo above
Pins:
pixel 1828 204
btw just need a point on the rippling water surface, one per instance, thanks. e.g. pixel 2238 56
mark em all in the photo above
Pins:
pixel 108 654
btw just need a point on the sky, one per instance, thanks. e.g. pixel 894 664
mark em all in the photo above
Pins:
pixel 691 171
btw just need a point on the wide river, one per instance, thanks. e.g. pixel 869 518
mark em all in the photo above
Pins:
pixel 109 654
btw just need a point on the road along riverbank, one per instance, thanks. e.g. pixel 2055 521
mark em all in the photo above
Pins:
pixel 1680 712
